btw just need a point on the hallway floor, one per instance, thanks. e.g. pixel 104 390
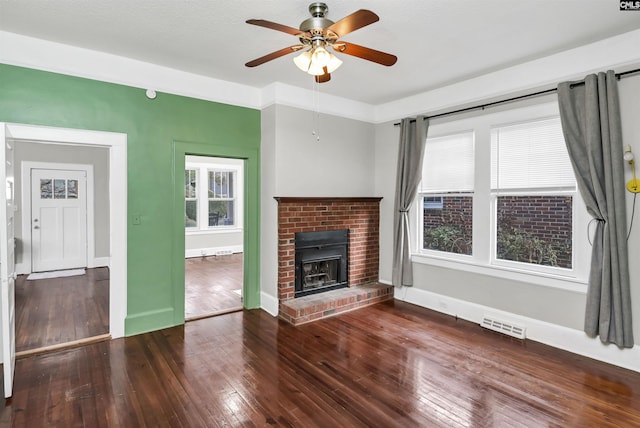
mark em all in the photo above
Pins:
pixel 53 311
pixel 213 285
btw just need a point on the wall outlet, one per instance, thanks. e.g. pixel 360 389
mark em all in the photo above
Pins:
pixel 135 219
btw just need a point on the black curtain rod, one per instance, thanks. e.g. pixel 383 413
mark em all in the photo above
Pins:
pixel 508 100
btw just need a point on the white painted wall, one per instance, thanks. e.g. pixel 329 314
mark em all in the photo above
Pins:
pixel 295 163
pixel 339 164
pixel 630 111
pixel 268 213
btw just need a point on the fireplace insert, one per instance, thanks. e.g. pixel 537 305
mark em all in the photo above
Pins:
pixel 321 262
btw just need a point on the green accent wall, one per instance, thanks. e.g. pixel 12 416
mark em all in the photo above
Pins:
pixel 159 133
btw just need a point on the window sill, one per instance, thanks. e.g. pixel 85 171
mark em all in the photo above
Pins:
pixel 543 279
pixel 213 230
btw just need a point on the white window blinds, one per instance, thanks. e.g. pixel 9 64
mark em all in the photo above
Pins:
pixel 530 155
pixel 448 164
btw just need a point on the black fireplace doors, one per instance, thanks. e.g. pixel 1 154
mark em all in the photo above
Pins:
pixel 321 261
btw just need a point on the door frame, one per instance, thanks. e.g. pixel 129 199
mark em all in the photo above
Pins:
pixel 26 266
pixel 205 164
pixel 7 262
pixel 117 145
pixel 251 241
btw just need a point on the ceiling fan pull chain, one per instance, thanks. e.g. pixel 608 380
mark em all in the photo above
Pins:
pixel 316 111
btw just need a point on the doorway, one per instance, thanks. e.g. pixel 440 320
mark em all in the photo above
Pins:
pixel 214 235
pixel 114 234
pixel 62 296
pixel 116 145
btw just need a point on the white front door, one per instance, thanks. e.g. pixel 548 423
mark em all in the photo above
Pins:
pixel 58 219
pixel 7 262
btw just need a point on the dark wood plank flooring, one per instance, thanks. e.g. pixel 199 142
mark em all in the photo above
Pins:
pixel 389 365
pixel 60 310
pixel 212 284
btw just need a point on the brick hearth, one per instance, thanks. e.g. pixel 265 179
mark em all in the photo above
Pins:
pixel 361 216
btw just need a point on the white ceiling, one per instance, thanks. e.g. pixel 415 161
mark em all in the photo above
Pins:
pixel 437 42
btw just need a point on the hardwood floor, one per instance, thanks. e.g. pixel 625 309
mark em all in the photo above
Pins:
pixel 60 310
pixel 388 365
pixel 212 285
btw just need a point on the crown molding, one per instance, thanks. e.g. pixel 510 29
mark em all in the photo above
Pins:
pixel 612 53
pixel 574 64
pixel 29 52
pixel 55 57
pixel 292 96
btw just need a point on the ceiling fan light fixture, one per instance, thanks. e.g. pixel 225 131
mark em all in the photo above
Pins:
pixel 317 63
pixel 303 61
pixel 320 57
pixel 334 63
pixel 315 69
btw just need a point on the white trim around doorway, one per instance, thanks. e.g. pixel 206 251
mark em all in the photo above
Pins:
pixel 117 145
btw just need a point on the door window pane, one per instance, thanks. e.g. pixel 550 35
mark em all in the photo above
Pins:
pixel 59 189
pixel 46 188
pixel 72 189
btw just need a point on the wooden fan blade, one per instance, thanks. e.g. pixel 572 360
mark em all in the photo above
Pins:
pixel 274 55
pixel 323 77
pixel 358 19
pixel 275 26
pixel 365 53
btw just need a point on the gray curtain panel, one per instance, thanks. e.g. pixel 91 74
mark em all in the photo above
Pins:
pixel 413 136
pixel 590 115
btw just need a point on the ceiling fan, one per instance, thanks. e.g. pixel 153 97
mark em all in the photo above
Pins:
pixel 318 33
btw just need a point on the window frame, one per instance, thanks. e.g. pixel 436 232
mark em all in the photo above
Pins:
pixel 483 259
pixel 420 222
pixel 232 188
pixel 202 176
pixel 190 199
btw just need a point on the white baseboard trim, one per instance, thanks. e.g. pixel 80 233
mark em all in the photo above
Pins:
pixel 25 268
pixel 557 336
pixel 100 262
pixel 269 303
pixel 212 251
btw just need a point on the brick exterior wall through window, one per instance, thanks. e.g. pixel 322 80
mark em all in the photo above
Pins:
pixel 546 218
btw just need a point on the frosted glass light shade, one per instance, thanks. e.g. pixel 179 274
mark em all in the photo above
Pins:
pixel 628 155
pixel 320 57
pixel 334 63
pixel 303 61
pixel 315 69
pixel 313 61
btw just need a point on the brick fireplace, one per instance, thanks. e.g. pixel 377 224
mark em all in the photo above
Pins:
pixel 361 216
